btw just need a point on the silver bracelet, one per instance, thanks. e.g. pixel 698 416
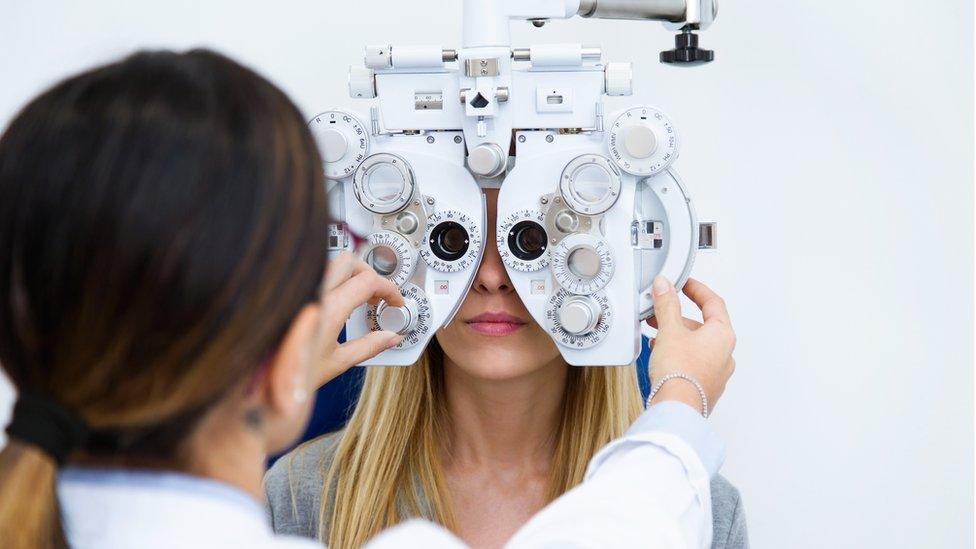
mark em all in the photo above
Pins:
pixel 686 377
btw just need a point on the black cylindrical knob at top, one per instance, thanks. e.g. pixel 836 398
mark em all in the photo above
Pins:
pixel 686 51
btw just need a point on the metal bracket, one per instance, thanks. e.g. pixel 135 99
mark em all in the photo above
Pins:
pixel 481 67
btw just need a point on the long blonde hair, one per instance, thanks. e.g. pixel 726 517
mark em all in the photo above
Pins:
pixel 387 462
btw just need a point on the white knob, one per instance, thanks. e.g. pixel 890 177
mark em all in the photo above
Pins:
pixel 362 83
pixel 640 141
pixel 619 78
pixel 378 57
pixel 333 144
pixel 487 160
pixel 397 319
pixel 579 315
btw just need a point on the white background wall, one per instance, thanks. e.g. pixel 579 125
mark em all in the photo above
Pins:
pixel 833 142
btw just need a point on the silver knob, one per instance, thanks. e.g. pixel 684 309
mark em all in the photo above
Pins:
pixel 397 319
pixel 584 262
pixel 579 315
pixel 487 160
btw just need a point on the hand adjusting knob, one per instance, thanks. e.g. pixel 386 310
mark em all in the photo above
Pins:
pixel 686 52
pixel 579 315
pixel 397 319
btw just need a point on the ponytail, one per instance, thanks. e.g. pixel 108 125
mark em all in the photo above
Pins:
pixel 42 435
pixel 29 516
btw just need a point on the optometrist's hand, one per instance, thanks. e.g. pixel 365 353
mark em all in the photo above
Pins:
pixel 702 350
pixel 349 282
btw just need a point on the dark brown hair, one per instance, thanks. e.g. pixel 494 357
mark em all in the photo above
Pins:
pixel 162 221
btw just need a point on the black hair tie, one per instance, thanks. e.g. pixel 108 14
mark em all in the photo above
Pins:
pixel 46 424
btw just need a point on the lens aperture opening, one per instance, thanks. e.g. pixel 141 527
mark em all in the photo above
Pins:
pixel 383 260
pixel 449 241
pixel 527 240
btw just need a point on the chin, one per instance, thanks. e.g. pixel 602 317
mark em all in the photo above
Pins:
pixel 498 358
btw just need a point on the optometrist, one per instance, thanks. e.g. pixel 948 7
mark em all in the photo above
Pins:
pixel 164 319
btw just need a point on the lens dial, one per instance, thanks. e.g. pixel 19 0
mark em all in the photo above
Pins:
pixel 453 241
pixel 576 321
pixel 384 183
pixel 590 184
pixel 343 142
pixel 522 241
pixel 643 141
pixel 582 263
pixel 390 255
pixel 412 321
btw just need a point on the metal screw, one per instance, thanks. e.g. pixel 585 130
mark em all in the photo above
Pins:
pixel 457 138
pixel 416 202
pixel 544 200
pixel 484 72
pixel 484 62
pixel 550 139
pixel 430 138
pixel 521 139
pixel 430 201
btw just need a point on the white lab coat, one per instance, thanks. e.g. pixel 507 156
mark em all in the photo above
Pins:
pixel 649 488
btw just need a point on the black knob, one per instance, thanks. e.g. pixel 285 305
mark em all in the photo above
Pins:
pixel 686 52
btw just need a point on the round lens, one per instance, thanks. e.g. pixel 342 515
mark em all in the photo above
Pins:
pixel 527 240
pixel 592 184
pixel 385 183
pixel 383 260
pixel 449 241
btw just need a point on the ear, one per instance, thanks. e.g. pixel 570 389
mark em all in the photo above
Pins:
pixel 288 384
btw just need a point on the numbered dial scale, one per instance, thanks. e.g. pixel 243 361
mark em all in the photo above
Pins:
pixel 643 141
pixel 452 242
pixel 578 322
pixel 582 263
pixel 343 142
pixel 417 315
pixel 390 255
pixel 522 241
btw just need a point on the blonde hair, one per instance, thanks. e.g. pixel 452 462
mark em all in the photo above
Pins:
pixel 387 461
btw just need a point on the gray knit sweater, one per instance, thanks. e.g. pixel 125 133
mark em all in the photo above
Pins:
pixel 294 489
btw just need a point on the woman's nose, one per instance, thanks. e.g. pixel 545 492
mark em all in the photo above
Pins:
pixel 492 278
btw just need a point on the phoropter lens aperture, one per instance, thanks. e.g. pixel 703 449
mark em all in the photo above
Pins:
pixel 383 260
pixel 527 240
pixel 449 241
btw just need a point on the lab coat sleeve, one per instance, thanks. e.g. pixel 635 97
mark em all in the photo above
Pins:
pixel 649 488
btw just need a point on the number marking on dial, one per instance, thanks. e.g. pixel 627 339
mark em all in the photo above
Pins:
pixel 469 258
pixel 406 255
pixel 572 282
pixel 505 227
pixel 420 331
pixel 666 141
pixel 356 137
pixel 584 341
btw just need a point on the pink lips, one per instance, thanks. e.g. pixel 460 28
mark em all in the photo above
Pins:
pixel 495 324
